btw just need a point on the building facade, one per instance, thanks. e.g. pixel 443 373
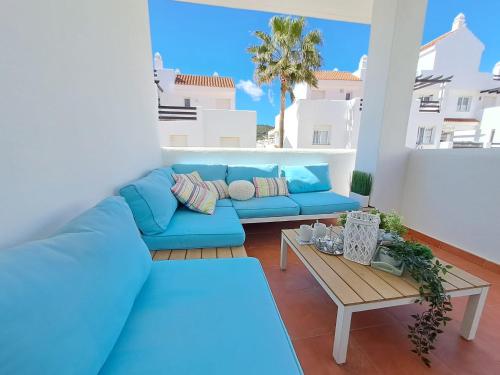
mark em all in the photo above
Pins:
pixel 200 111
pixel 446 113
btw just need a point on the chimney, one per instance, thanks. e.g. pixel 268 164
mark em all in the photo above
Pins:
pixel 158 62
pixel 459 22
pixel 496 71
pixel 362 67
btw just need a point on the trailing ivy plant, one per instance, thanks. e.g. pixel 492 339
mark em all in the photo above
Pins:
pixel 427 271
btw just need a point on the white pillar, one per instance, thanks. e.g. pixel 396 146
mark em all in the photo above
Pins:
pixel 396 33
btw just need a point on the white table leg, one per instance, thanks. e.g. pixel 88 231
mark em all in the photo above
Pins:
pixel 472 314
pixel 342 328
pixel 284 253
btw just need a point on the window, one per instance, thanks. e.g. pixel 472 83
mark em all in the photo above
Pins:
pixel 187 102
pixel 463 103
pixel 178 140
pixel 427 98
pixel 321 137
pixel 229 141
pixel 425 135
pixel 348 96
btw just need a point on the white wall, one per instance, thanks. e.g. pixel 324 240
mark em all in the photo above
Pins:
pixel 490 122
pixel 341 161
pixel 452 195
pixel 72 129
pixel 224 123
pixel 210 126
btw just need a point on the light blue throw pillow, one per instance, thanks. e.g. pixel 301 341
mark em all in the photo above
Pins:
pixel 65 299
pixel 248 172
pixel 208 172
pixel 151 201
pixel 307 178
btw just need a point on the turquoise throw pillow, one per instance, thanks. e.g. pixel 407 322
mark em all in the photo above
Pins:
pixel 308 178
pixel 151 201
pixel 248 172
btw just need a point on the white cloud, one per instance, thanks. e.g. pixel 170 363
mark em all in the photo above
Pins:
pixel 250 88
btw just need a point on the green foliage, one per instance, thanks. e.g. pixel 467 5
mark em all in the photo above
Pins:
pixel 427 271
pixel 361 183
pixel 388 222
pixel 262 131
pixel 288 55
pixel 342 219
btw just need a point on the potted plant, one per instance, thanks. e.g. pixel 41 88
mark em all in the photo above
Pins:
pixel 361 186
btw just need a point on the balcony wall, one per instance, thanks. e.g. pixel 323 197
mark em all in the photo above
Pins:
pixel 452 195
pixel 341 161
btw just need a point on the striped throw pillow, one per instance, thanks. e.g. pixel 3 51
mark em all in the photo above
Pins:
pixel 270 187
pixel 194 197
pixel 219 187
pixel 193 177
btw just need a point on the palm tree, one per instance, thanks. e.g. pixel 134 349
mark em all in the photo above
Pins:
pixel 286 55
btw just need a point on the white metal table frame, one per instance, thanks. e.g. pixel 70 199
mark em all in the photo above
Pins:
pixel 470 321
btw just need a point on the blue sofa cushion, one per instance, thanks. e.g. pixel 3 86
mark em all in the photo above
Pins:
pixel 325 202
pixel 64 300
pixel 308 178
pixel 188 230
pixel 208 172
pixel 266 207
pixel 209 316
pixel 151 201
pixel 226 202
pixel 248 172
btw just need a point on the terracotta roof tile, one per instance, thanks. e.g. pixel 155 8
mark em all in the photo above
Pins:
pixel 335 75
pixel 209 81
pixel 434 41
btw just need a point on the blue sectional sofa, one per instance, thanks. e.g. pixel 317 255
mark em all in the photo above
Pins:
pixel 166 225
pixel 88 300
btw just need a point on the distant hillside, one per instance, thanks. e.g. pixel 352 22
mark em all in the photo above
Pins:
pixel 262 131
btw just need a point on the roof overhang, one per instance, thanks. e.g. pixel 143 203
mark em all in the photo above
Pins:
pixel 461 121
pixel 358 11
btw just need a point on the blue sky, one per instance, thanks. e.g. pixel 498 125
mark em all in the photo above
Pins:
pixel 200 39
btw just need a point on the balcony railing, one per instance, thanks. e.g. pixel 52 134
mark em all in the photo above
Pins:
pixel 174 113
pixel 430 106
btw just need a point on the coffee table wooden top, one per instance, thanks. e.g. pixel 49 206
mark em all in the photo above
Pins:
pixel 353 283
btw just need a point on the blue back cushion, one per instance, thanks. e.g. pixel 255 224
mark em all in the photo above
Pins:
pixel 208 172
pixel 151 201
pixel 308 178
pixel 248 172
pixel 64 300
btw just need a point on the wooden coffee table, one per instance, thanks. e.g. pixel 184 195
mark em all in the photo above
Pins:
pixel 355 287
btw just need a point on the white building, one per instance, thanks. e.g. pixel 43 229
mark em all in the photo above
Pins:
pixel 199 111
pixel 443 115
pixel 327 115
pixel 449 115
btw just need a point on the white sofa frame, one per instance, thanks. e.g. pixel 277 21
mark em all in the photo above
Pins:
pixel 273 219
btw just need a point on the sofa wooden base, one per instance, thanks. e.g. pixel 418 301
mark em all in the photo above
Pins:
pixel 220 252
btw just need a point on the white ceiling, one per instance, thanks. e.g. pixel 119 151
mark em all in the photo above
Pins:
pixel 341 10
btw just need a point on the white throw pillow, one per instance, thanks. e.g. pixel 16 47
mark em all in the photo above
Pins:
pixel 241 190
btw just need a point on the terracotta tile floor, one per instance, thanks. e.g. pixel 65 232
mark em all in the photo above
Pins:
pixel 378 343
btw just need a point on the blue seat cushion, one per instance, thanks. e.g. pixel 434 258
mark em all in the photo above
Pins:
pixel 151 201
pixel 226 202
pixel 307 178
pixel 208 316
pixel 64 300
pixel 248 172
pixel 266 207
pixel 325 202
pixel 208 172
pixel 189 229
